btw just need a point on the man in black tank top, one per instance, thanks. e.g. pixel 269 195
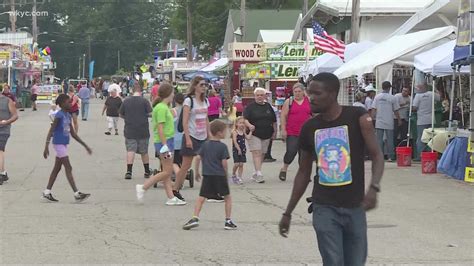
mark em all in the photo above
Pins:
pixel 336 139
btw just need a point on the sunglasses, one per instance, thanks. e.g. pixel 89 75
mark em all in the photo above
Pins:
pixel 203 85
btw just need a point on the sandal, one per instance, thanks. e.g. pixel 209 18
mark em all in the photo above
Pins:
pixel 282 175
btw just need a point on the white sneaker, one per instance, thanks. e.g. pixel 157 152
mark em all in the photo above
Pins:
pixel 140 192
pixel 175 202
pixel 259 179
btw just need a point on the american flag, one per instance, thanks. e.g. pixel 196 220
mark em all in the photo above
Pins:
pixel 326 43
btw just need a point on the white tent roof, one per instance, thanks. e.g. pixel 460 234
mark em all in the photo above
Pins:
pixel 443 67
pixel 330 62
pixel 274 36
pixel 355 49
pixel 378 7
pixel 392 49
pixel 215 65
pixel 280 36
pixel 426 60
pixel 437 61
pixel 324 63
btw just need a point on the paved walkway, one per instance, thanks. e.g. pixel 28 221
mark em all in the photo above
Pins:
pixel 421 219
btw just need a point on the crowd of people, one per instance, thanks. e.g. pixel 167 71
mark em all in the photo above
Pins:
pixel 183 132
pixel 391 114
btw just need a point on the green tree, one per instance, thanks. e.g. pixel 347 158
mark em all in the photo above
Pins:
pixel 209 19
pixel 133 27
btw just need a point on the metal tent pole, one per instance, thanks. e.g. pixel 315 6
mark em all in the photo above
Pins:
pixel 461 96
pixel 410 111
pixel 453 84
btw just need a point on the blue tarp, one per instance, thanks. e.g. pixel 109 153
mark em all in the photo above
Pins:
pixel 206 75
pixel 454 159
pixel 462 55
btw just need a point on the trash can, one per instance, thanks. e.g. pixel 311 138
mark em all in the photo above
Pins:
pixel 26 99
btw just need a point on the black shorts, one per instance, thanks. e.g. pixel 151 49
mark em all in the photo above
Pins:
pixel 3 141
pixel 214 185
pixel 239 158
pixel 213 117
pixel 33 97
pixel 177 159
pixel 195 150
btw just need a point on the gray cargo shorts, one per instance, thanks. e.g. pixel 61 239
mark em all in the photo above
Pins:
pixel 139 146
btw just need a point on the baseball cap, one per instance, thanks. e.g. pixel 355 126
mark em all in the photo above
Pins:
pixel 369 88
pixel 386 85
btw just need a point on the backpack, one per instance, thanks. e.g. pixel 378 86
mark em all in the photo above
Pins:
pixel 180 121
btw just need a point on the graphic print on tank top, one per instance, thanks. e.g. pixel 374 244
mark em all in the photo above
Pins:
pixel 333 153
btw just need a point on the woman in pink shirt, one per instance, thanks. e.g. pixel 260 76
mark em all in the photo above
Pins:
pixel 215 106
pixel 296 110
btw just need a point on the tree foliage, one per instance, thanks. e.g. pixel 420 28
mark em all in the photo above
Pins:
pixel 136 28
pixel 209 19
pixel 133 27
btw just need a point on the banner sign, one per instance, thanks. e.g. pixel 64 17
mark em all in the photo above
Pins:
pixel 462 49
pixel 4 55
pixel 292 52
pixel 47 93
pixel 285 70
pixel 246 51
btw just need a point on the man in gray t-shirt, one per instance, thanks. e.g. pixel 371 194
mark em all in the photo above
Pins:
pixel 8 115
pixel 135 111
pixel 423 106
pixel 400 132
pixel 385 106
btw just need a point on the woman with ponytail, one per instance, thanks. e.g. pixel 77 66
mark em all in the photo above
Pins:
pixel 163 134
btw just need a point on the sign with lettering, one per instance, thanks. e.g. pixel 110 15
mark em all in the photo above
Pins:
pixel 246 51
pixel 285 70
pixel 4 55
pixel 292 52
pixel 47 93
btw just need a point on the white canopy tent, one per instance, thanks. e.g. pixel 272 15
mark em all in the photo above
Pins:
pixel 444 68
pixel 330 62
pixel 325 63
pixel 397 49
pixel 222 62
pixel 437 61
pixel 355 49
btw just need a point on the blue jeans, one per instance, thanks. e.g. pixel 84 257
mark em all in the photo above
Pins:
pixel 420 146
pixel 341 233
pixel 84 110
pixel 380 132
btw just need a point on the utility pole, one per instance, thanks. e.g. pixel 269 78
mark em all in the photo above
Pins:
pixel 83 65
pixel 118 60
pixel 35 23
pixel 89 54
pixel 189 31
pixel 355 21
pixel 242 19
pixel 13 16
pixel 303 29
pixel 79 72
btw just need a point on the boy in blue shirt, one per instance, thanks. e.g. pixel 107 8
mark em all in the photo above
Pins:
pixel 60 131
pixel 214 156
